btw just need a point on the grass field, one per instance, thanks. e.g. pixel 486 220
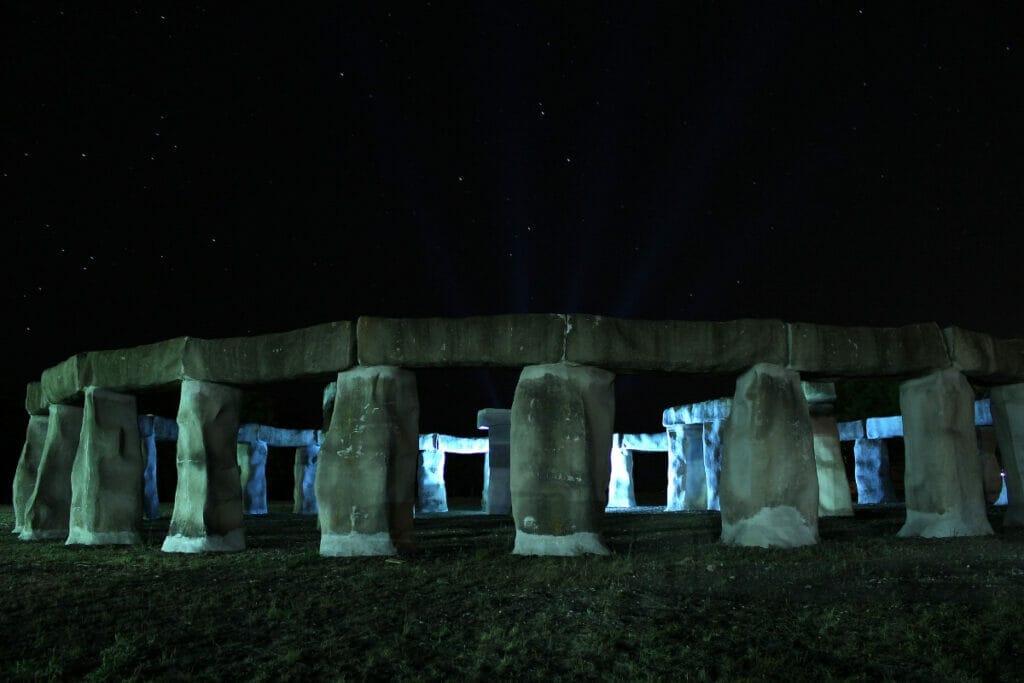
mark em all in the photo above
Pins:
pixel 671 603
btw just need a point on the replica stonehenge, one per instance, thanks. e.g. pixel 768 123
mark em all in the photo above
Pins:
pixel 768 457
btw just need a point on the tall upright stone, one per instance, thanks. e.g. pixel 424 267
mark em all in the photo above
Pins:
pixel 252 467
pixel 497 493
pixel 304 493
pixel 620 484
pixel 48 511
pixel 208 499
pixel 432 494
pixel 561 435
pixel 687 479
pixel 106 480
pixel 991 472
pixel 366 474
pixel 769 484
pixel 834 498
pixel 28 467
pixel 1008 419
pixel 942 480
pixel 871 463
pixel 150 497
pixel 712 437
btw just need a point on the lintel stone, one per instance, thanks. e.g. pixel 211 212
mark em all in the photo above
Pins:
pixel 984 358
pixel 63 383
pixel 832 351
pixel 480 341
pixel 696 413
pixel 851 431
pixel 35 403
pixel 627 346
pixel 644 442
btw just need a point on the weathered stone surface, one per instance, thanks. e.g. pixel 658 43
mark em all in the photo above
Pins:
pixel 851 431
pixel 64 382
pixel 497 499
pixel 106 479
pixel 713 460
pixel 871 470
pixel 304 492
pixel 620 484
pixel 769 484
pixel 561 436
pixel 208 498
pixel 327 404
pixel 461 444
pixel 942 479
pixel 833 487
pixel 884 427
pixel 833 351
pixel 981 357
pixel 28 467
pixel 687 478
pixel 366 474
pixel 151 366
pixel 673 345
pixel 983 413
pixel 482 341
pixel 432 494
pixel 697 413
pixel 645 442
pixel 35 402
pixel 819 392
pixel 150 496
pixel 252 468
pixel 285 438
pixel 317 351
pixel 49 507
pixel 991 473
pixel 1008 419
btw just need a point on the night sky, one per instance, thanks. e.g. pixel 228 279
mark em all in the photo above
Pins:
pixel 213 170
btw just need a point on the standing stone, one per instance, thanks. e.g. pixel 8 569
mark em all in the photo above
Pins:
pixel 28 467
pixel 871 463
pixel 497 491
pixel 1008 418
pixel 106 480
pixel 620 485
pixel 252 468
pixel 432 495
pixel 687 481
pixel 366 477
pixel 561 435
pixel 150 498
pixel 304 493
pixel 208 499
pixel 991 473
pixel 769 485
pixel 833 487
pixel 48 510
pixel 712 436
pixel 942 479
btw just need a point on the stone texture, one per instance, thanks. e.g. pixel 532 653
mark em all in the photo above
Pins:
pixel 63 383
pixel 482 341
pixel 106 479
pixel 834 352
pixel 151 366
pixel 208 498
pixel 28 467
pixel 150 495
pixel 983 358
pixel 712 437
pixel 252 468
pixel 48 510
pixel 871 470
pixel 562 419
pixel 687 479
pixel 1008 419
pixel 673 345
pixel 819 392
pixel 942 480
pixel 304 491
pixel 497 490
pixel 645 442
pixel 769 485
pixel 991 472
pixel 432 494
pixel 35 402
pixel 620 484
pixel 285 438
pixel 851 431
pixel 366 475
pixel 696 413
pixel 833 487
pixel 884 427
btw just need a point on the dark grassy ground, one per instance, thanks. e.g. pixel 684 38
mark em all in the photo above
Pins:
pixel 671 603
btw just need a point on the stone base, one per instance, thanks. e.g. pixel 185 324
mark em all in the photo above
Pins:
pixel 569 545
pixel 233 541
pixel 355 544
pixel 43 535
pixel 775 527
pixel 945 525
pixel 79 536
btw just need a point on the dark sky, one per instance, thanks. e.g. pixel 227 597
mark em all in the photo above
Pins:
pixel 216 170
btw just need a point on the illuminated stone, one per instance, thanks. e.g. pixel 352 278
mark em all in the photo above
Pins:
pixel 304 492
pixel 497 491
pixel 150 497
pixel 837 351
pixel 432 494
pixel 712 437
pixel 366 473
pixel 208 498
pixel 942 479
pixel 991 473
pixel 48 510
pixel 833 486
pixel 769 483
pixel 620 485
pixel 1008 418
pixel 871 470
pixel 980 356
pixel 106 480
pixel 687 480
pixel 252 468
pixel 561 436
pixel 27 472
